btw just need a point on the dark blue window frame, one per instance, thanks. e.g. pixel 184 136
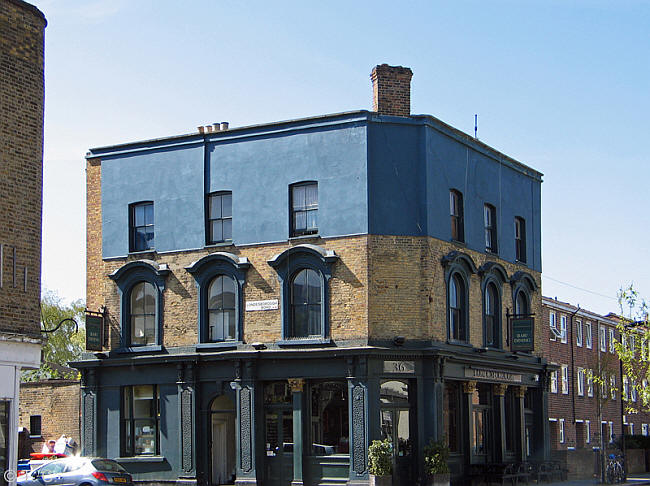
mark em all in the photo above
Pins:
pixel 205 271
pixel 141 226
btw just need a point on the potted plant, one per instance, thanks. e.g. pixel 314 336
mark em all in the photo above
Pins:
pixel 380 462
pixel 436 455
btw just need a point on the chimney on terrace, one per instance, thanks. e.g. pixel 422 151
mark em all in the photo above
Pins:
pixel 391 90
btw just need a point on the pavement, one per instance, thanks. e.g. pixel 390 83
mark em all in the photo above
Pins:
pixel 633 479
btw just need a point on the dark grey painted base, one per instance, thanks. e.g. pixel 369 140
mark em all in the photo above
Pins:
pixel 179 482
pixel 246 482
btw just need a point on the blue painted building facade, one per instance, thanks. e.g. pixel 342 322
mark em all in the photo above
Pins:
pixel 250 383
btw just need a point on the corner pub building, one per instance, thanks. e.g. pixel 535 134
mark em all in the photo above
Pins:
pixel 274 297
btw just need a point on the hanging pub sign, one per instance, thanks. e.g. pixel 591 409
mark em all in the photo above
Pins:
pixel 523 334
pixel 94 331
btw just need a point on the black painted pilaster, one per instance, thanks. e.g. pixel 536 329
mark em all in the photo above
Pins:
pixel 245 432
pixel 520 392
pixel 89 413
pixel 499 424
pixel 186 413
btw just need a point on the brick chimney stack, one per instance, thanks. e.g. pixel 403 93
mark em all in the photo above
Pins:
pixel 391 90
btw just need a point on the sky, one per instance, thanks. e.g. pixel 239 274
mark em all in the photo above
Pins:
pixel 563 87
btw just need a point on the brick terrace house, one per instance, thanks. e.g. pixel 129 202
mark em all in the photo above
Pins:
pixel 581 343
pixel 277 296
pixel 21 180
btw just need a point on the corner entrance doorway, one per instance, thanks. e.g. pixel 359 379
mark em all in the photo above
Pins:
pixel 222 441
pixel 396 418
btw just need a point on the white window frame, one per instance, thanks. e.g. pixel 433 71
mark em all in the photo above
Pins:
pixel 632 392
pixel 552 323
pixel 631 424
pixel 588 335
pixel 612 386
pixel 644 392
pixel 565 379
pixel 611 432
pixel 581 382
pixel 561 421
pixel 590 383
pixel 602 333
pixel 579 333
pixel 632 343
pixel 587 431
pixel 554 381
pixel 644 429
pixel 612 349
pixel 563 321
pixel 626 388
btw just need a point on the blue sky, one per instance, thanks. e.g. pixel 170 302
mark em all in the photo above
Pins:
pixel 561 86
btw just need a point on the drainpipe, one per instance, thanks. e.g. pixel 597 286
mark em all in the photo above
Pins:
pixel 573 395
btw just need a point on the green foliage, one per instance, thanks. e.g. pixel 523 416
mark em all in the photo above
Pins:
pixel 380 457
pixel 64 344
pixel 436 455
pixel 634 348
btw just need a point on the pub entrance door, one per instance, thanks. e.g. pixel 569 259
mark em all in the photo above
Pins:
pixel 397 417
pixel 278 434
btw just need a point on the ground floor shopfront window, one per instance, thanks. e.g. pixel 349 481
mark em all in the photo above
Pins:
pixel 4 438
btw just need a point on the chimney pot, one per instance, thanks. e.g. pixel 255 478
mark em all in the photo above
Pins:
pixel 391 90
pixel 224 125
pixel 201 129
pixel 209 127
pixel 216 127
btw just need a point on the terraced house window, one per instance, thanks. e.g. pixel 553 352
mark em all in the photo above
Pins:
pixel 520 239
pixel 141 226
pixel 490 220
pixel 221 309
pixel 304 209
pixel 140 420
pixel 588 341
pixel 143 314
pixel 219 223
pixel 491 306
pixel 456 213
pixel 457 308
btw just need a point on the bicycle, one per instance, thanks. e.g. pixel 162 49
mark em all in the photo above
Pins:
pixel 615 472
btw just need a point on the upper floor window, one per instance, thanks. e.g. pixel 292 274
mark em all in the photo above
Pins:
pixel 142 314
pixel 581 381
pixel 521 304
pixel 565 379
pixel 141 284
pixel 520 239
pixel 563 333
pixel 221 309
pixel 219 223
pixel 588 339
pixel 141 226
pixel 590 383
pixel 579 333
pixel 491 307
pixel 220 278
pixel 552 323
pixel 612 348
pixel 490 223
pixel 553 381
pixel 457 308
pixel 305 304
pixel 456 212
pixel 603 338
pixel 140 420
pixel 304 209
pixel 304 272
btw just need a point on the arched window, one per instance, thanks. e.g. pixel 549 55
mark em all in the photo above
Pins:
pixel 457 308
pixel 141 284
pixel 305 304
pixel 491 315
pixel 143 314
pixel 221 309
pixel 220 279
pixel 521 303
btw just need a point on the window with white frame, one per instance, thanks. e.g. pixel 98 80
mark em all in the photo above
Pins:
pixel 644 392
pixel 626 388
pixel 612 386
pixel 561 421
pixel 631 428
pixel 563 329
pixel 588 334
pixel 611 432
pixel 552 323
pixel 603 338
pixel 644 349
pixel 553 381
pixel 579 333
pixel 632 343
pixel 565 379
pixel 624 342
pixel 632 392
pixel 581 382
pixel 590 383
pixel 644 429
pixel 612 349
pixel 587 431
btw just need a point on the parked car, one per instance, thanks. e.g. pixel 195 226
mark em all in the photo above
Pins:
pixel 77 471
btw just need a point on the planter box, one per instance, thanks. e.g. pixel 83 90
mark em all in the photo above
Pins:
pixel 438 480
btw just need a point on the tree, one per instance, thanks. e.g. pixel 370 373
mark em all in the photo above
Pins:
pixel 63 345
pixel 633 349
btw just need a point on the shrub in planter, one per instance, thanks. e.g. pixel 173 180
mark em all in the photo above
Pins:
pixel 380 462
pixel 436 455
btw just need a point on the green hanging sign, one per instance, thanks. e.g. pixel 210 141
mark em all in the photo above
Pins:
pixel 94 332
pixel 523 334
